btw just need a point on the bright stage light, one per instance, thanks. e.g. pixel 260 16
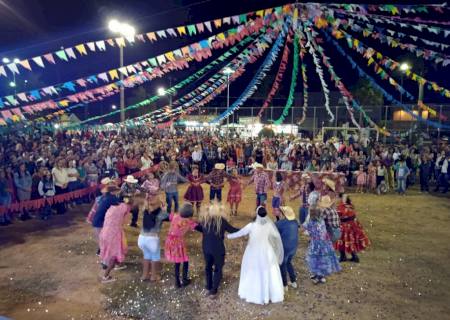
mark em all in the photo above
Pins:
pixel 12 84
pixel 6 60
pixel 404 66
pixel 228 71
pixel 114 25
pixel 114 107
pixel 125 29
pixel 161 91
pixel 56 125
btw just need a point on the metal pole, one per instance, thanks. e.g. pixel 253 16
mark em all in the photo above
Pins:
pixel 228 103
pixel 122 89
pixel 439 129
pixel 401 92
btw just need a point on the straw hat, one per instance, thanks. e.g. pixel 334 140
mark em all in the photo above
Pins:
pixel 325 202
pixel 106 181
pixel 131 179
pixel 219 166
pixel 329 183
pixel 257 165
pixel 305 176
pixel 288 212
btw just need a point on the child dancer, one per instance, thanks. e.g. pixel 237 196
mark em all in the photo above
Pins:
pixel 154 214
pixel 361 179
pixel 320 257
pixel 175 246
pixel 235 193
pixel 194 193
pixel 353 238
pixel 150 185
pixel 277 199
pixel 371 177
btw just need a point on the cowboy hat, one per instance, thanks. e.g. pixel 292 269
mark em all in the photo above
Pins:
pixel 219 166
pixel 288 212
pixel 305 176
pixel 257 165
pixel 106 180
pixel 325 202
pixel 329 183
pixel 131 179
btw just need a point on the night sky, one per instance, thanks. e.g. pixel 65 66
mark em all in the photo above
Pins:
pixel 32 27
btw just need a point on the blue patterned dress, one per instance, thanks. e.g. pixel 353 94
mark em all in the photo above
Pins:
pixel 320 257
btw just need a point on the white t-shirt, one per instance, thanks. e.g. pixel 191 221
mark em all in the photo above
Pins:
pixel 60 176
pixel 71 171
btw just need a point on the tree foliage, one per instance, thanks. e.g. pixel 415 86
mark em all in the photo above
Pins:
pixel 366 94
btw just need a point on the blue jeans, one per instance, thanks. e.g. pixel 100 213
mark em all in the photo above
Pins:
pixel 287 267
pixel 261 199
pixel 303 214
pixel 169 197
pixel 215 193
pixel 401 185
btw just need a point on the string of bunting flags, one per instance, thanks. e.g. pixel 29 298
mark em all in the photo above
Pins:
pixel 304 79
pixel 196 50
pixel 86 48
pixel 259 75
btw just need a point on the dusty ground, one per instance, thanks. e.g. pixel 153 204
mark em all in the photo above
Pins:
pixel 48 270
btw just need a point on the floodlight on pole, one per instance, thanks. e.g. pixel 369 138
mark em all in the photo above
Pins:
pixel 161 91
pixel 114 107
pixel 404 67
pixel 6 60
pixel 228 71
pixel 128 31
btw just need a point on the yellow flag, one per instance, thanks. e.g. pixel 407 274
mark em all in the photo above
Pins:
pixel 181 30
pixel 260 13
pixel 169 56
pixel 114 74
pixel 81 49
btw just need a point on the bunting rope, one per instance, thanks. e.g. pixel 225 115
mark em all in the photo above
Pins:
pixel 259 75
pixel 86 48
pixel 278 77
pixel 304 80
pixel 290 99
pixel 383 91
pixel 192 51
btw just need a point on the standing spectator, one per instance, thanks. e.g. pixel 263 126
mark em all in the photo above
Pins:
pixel 46 189
pixel 5 198
pixel 73 183
pixel 443 174
pixel 61 181
pixel 262 183
pixel 402 172
pixel 424 173
pixel 22 181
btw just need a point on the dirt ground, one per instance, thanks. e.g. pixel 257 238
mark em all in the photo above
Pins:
pixel 48 270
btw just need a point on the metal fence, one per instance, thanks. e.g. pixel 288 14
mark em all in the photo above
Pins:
pixel 391 117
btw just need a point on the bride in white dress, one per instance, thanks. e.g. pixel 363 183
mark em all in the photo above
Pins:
pixel 260 280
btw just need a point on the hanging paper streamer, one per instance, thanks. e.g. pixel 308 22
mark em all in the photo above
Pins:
pixel 346 95
pixel 278 77
pixel 319 72
pixel 259 76
pixel 304 79
pixel 392 9
pixel 290 100
pixel 389 97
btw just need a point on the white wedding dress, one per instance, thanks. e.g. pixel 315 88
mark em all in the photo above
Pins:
pixel 260 280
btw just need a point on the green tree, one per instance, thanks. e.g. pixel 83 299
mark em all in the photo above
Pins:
pixel 366 94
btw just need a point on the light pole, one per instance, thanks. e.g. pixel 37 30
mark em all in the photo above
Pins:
pixel 228 72
pixel 127 31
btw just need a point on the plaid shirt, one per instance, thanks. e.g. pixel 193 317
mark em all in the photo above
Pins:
pixel 261 180
pixel 217 178
pixel 331 217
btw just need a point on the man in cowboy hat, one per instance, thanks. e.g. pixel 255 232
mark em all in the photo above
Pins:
pixel 288 228
pixel 262 183
pixel 216 180
pixel 128 190
pixel 330 217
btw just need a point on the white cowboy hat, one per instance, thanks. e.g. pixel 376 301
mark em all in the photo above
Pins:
pixel 329 183
pixel 131 179
pixel 325 202
pixel 106 180
pixel 288 212
pixel 305 176
pixel 219 166
pixel 257 165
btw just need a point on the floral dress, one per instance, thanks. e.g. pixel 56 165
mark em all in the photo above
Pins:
pixel 353 238
pixel 320 256
pixel 175 246
pixel 235 192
